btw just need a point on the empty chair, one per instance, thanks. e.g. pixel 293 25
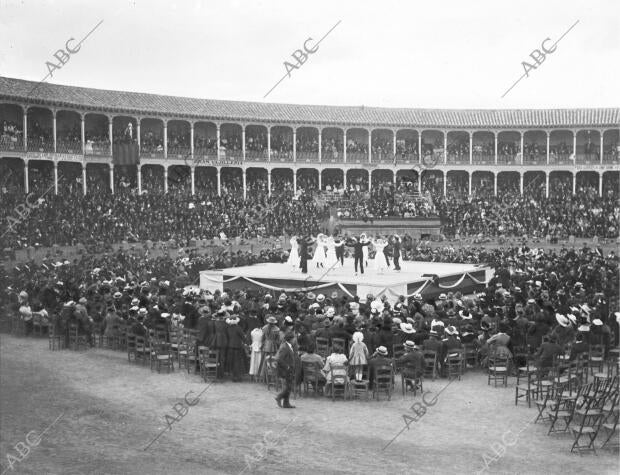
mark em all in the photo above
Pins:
pixel 161 356
pixel 131 346
pixel 383 381
pixel 430 363
pixel 498 369
pixel 56 338
pixel 77 340
pixel 209 362
pixel 454 363
pixel 186 351
pixel 586 427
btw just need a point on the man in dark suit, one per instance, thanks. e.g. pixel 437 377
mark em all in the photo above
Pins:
pixel 412 362
pixel 578 348
pixel 358 254
pixel 396 251
pixel 285 359
pixel 339 243
pixel 304 242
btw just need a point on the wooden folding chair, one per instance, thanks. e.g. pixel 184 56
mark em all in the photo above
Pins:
pixel 383 381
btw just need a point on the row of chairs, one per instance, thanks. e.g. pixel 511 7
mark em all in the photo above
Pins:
pixel 584 411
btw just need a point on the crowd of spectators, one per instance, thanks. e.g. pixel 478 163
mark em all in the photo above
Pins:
pixel 538 302
pixel 584 214
pixel 70 217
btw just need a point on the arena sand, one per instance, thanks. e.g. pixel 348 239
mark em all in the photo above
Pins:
pixel 111 410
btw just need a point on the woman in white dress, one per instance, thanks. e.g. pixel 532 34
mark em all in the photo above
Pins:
pixel 364 239
pixel 319 252
pixel 380 262
pixel 256 355
pixel 331 258
pixel 293 257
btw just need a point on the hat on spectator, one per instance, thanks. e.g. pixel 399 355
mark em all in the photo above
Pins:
pixel 410 345
pixel 562 320
pixel 288 320
pixel 117 295
pixel 311 296
pixel 382 350
pixel 396 321
pixel 271 319
pixel 597 321
pixel 443 297
pixel 465 315
pixel 334 294
pixel 417 297
pixel 23 295
pixel 358 337
pixel 320 298
pixel 407 328
pixel 83 300
pixel 142 311
pixel 451 330
pixel 572 318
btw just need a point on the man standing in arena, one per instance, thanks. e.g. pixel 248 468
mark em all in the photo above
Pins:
pixel 286 370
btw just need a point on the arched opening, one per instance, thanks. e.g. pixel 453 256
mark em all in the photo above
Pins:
pixel 68 132
pixel 11 127
pixel 332 148
pixel 357 145
pixel 40 130
pixel 307 144
pixel 256 143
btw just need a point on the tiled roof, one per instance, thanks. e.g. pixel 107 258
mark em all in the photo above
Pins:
pixel 141 104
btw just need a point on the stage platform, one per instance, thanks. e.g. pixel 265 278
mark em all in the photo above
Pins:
pixel 427 278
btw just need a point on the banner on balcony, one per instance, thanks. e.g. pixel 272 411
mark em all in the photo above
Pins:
pixel 125 154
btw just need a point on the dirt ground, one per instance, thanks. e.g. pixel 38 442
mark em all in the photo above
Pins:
pixel 105 411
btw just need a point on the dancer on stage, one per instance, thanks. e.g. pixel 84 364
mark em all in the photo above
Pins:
pixel 293 257
pixel 339 243
pixel 331 259
pixel 396 251
pixel 364 239
pixel 304 242
pixel 319 252
pixel 381 260
pixel 358 253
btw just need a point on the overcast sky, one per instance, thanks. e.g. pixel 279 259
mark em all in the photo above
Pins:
pixel 435 54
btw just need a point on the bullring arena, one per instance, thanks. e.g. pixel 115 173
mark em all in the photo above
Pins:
pixel 194 285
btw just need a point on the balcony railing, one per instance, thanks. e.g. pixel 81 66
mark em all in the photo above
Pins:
pixel 38 145
pixel 11 144
pixel 255 155
pixel 357 157
pixel 179 152
pixel 97 149
pixel 277 156
pixel 69 147
pixel 332 157
pixel 307 157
